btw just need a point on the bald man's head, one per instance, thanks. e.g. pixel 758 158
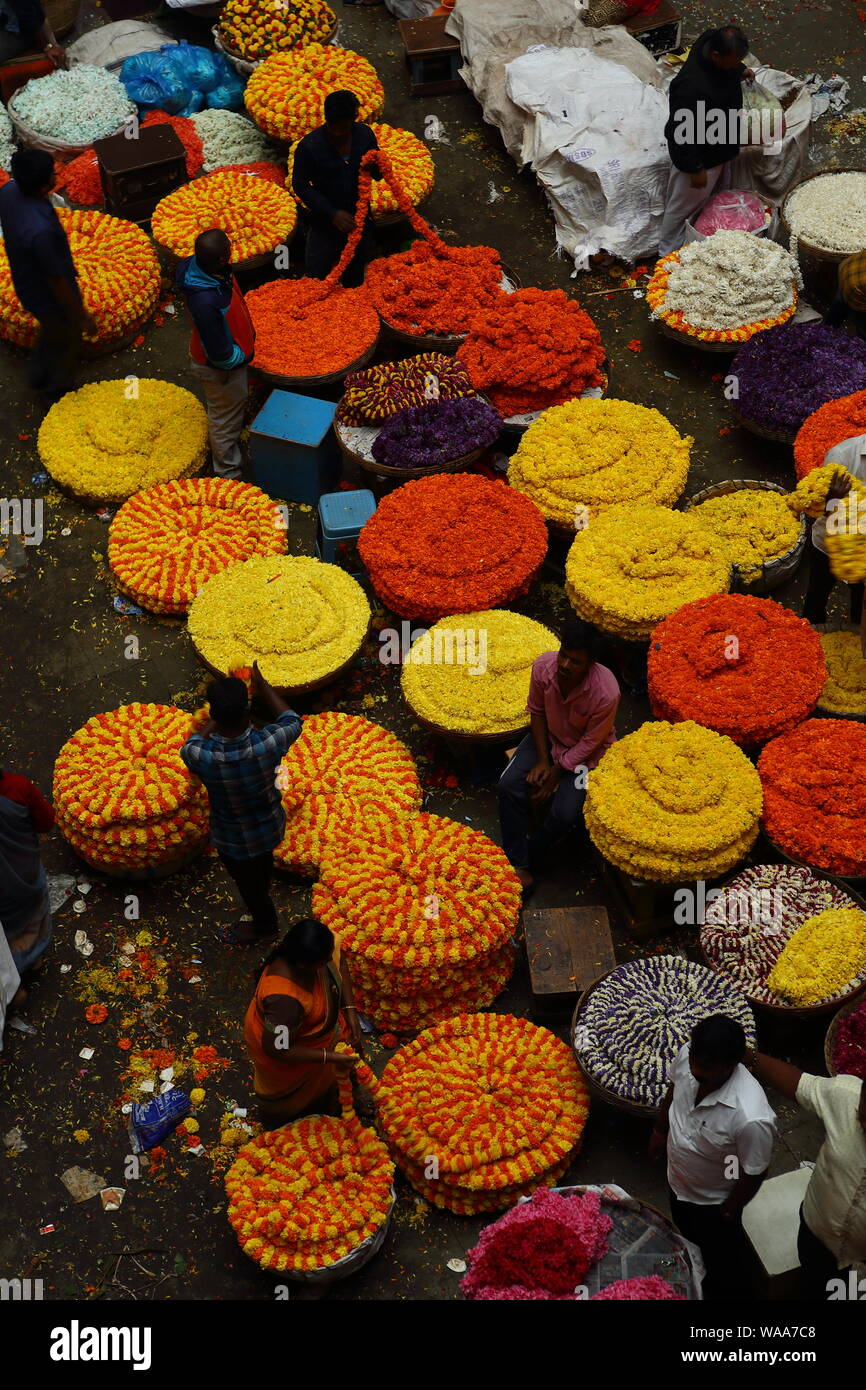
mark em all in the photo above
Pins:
pixel 213 250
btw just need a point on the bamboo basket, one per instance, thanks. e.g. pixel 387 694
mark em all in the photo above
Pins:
pixel 316 383
pixel 28 136
pixel 854 879
pixel 247 66
pixel 631 1107
pixel 173 865
pixel 774 572
pixel 461 736
pixel 830 1036
pixel 818 253
pixel 292 691
pixel 778 436
pixel 62 15
pixel 837 625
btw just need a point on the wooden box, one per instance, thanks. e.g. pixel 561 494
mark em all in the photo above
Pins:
pixel 137 173
pixel 567 949
pixel 432 56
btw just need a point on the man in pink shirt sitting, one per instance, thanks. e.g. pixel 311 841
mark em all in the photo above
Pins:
pixel 572 703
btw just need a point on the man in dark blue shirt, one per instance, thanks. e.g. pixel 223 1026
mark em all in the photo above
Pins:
pixel 24 28
pixel 325 179
pixel 43 273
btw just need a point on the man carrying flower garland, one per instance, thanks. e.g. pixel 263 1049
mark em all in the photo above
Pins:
pixel 572 705
pixel 237 764
pixel 832 1234
pixel 325 179
pixel 717 1127
pixel 702 131
pixel 221 346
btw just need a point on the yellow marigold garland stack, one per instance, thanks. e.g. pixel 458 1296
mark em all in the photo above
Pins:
pixel 673 802
pixel 255 214
pixel 124 799
pixel 285 95
pixel 481 1110
pixel 425 911
pixel 343 771
pixel 306 1195
pixel 165 543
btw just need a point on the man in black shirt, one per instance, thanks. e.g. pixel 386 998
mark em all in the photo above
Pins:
pixel 23 27
pixel 325 179
pixel 703 129
pixel 42 270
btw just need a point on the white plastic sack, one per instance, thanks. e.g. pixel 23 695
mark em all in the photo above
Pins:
pixel 411 9
pixel 109 46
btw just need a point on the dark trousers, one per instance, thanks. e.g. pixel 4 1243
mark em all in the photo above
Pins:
pixel 839 311
pixel 523 850
pixel 324 248
pixel 722 1244
pixel 55 356
pixel 817 1265
pixel 253 879
pixel 821 584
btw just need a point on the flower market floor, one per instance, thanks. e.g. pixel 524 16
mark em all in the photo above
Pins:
pixel 65 650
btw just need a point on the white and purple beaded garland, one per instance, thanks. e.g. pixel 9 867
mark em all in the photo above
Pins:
pixel 636 1020
pixel 754 917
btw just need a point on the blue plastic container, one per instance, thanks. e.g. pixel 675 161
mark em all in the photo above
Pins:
pixel 294 451
pixel 341 518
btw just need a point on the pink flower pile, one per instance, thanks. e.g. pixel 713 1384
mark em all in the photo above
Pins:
pixel 540 1249
pixel 651 1288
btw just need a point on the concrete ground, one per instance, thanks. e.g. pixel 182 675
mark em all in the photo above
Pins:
pixel 64 661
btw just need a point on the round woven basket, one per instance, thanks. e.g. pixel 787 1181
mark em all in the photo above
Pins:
pixel 62 15
pixel 349 1264
pixel 264 258
pixel 290 691
pixel 391 219
pixel 28 136
pixel 701 344
pixel 461 736
pixel 830 1036
pixel 384 470
pixel 778 436
pixel 774 572
pixel 315 383
pixel 818 253
pixel 837 625
pixel 439 342
pixel 631 1107
pixel 858 880
pixel 783 1011
pixel 247 66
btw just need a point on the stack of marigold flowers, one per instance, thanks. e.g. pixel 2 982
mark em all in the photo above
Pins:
pixel 286 93
pixel 255 214
pixel 814 782
pixel 846 544
pixel 343 771
pixel 304 331
pixel 829 425
pixel 674 802
pixel 845 690
pixel 825 958
pixel 580 458
pixel 306 1195
pixel 746 667
pixel 496 1101
pixel 123 797
pixel 754 525
pixel 452 543
pixel 531 350
pixel 470 674
pixel 167 542
pixel 635 565
pixel 118 276
pixel 432 287
pixel 411 162
pixel 424 910
pixel 254 29
pixel 379 392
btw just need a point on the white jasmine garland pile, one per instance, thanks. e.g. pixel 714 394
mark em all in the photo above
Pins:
pixel 730 280
pixel 830 212
pixel 634 1023
pixel 77 107
pixel 227 137
pixel 7 140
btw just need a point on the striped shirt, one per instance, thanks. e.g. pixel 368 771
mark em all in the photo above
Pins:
pixel 239 774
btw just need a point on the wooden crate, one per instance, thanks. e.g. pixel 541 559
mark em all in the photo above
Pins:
pixel 137 173
pixel 567 949
pixel 432 56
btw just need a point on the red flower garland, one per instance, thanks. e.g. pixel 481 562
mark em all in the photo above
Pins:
pixel 814 782
pixel 452 543
pixel 746 667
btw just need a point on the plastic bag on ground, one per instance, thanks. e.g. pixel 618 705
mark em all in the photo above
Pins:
pixel 151 81
pixel 200 69
pixel 733 211
pixel 195 103
pixel 764 116
pixel 228 96
pixel 111 44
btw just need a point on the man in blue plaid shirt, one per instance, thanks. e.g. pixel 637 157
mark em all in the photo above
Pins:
pixel 238 765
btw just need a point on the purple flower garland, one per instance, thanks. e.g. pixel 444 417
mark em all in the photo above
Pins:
pixel 427 435
pixel 785 373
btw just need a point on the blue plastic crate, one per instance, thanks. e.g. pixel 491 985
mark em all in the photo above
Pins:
pixel 294 452
pixel 342 515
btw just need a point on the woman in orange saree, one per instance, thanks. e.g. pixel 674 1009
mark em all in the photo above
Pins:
pixel 302 1008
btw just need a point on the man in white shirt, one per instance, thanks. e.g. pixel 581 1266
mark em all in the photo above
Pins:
pixel 718 1128
pixel 832 1234
pixel 851 454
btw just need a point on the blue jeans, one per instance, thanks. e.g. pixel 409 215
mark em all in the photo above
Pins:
pixel 524 851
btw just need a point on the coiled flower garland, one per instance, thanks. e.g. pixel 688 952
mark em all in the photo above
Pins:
pixel 379 392
pixel 814 781
pixel 255 214
pixel 824 958
pixel 495 1101
pixel 285 94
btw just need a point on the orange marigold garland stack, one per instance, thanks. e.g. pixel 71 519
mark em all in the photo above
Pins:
pixel 307 1195
pixel 124 800
pixel 496 1100
pixel 343 772
pixel 255 214
pixel 286 93
pixel 532 349
pixel 829 425
pixel 425 910
pixel 452 543
pixel 166 543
